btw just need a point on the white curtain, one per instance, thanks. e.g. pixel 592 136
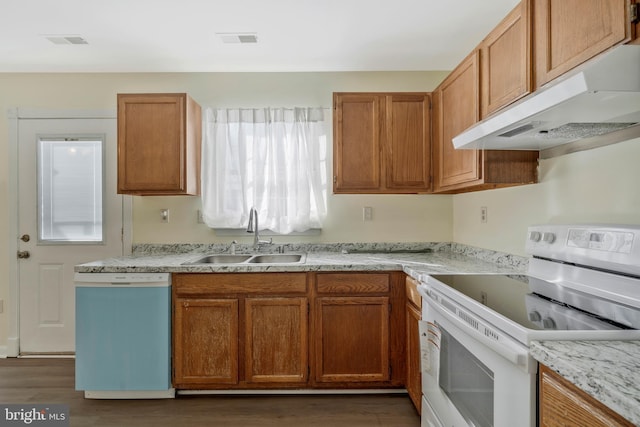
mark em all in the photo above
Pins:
pixel 273 159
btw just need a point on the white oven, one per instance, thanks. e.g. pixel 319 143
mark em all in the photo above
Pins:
pixel 469 376
pixel 583 283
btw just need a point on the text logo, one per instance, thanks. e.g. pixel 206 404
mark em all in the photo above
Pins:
pixel 41 415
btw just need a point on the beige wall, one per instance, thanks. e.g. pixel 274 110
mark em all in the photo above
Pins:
pixel 396 218
pixel 599 185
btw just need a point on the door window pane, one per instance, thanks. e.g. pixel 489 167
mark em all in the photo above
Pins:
pixel 70 187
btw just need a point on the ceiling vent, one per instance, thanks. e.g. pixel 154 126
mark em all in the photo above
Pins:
pixel 62 39
pixel 228 38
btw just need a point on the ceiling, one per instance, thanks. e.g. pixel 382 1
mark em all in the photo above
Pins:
pixel 293 35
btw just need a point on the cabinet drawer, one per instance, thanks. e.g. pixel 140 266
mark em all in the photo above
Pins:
pixel 229 283
pixel 412 292
pixel 353 283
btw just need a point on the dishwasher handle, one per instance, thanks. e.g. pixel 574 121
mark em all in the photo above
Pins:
pixel 122 279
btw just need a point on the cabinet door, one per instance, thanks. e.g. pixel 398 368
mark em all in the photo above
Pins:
pixel 276 340
pixel 506 61
pixel 408 142
pixel 357 132
pixel 569 32
pixel 158 144
pixel 414 375
pixel 205 341
pixel 562 404
pixel 459 108
pixel 351 339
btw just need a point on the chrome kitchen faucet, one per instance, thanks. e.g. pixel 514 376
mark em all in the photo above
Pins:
pixel 252 227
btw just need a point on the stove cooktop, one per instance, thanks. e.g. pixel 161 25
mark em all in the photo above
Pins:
pixel 539 305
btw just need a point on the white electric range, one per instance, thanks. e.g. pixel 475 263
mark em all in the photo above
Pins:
pixel 583 283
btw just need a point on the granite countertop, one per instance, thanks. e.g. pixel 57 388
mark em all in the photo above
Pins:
pixel 607 370
pixel 425 259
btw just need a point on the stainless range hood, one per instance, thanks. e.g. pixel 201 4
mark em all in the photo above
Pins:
pixel 599 100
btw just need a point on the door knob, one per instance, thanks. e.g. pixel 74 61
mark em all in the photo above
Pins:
pixel 23 254
pixel 25 238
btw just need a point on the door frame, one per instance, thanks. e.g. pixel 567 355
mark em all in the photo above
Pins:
pixel 14 115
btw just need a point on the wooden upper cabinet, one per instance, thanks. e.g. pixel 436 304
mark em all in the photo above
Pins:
pixel 356 134
pixel 569 32
pixel 458 107
pixel 562 404
pixel 382 143
pixel 159 137
pixel 408 143
pixel 506 61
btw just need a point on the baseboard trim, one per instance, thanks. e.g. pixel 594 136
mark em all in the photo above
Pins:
pixel 297 391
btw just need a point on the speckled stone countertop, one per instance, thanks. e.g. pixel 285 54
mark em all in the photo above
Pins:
pixel 607 370
pixel 416 259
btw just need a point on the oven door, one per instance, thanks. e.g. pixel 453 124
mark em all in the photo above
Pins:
pixel 468 383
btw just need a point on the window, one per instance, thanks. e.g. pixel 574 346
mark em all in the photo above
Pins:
pixel 70 190
pixel 273 159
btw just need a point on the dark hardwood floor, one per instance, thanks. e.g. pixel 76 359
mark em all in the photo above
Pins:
pixel 52 381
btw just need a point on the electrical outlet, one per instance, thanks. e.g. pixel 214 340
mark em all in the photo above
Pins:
pixel 483 214
pixel 164 215
pixel 367 213
pixel 199 217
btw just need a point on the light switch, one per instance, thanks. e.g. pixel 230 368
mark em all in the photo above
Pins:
pixel 164 215
pixel 367 213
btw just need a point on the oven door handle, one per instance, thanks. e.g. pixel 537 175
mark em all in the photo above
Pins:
pixel 517 356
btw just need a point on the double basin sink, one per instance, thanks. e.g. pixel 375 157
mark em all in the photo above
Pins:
pixel 250 259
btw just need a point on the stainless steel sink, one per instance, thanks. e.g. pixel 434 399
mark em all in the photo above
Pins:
pixel 276 259
pixel 251 259
pixel 221 259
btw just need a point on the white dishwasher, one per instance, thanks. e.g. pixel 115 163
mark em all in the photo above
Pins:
pixel 123 335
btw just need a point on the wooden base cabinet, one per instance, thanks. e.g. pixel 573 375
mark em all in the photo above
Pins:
pixel 206 337
pixel 352 339
pixel 276 340
pixel 358 330
pixel 276 331
pixel 246 330
pixel 413 316
pixel 562 404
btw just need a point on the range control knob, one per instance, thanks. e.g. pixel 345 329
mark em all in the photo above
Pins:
pixel 548 323
pixel 534 316
pixel 548 237
pixel 535 236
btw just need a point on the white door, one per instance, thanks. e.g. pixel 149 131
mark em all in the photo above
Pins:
pixel 68 214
